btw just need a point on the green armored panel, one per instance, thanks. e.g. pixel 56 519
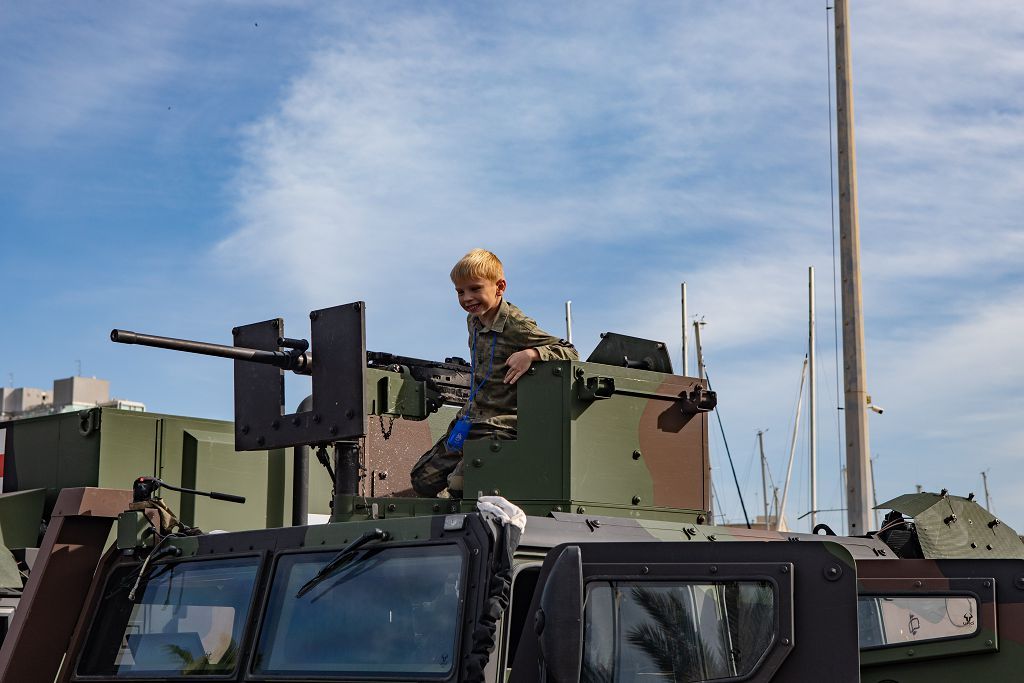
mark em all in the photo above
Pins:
pixel 53 452
pixel 599 437
pixel 20 514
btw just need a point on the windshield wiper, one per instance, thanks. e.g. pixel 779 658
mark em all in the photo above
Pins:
pixel 341 558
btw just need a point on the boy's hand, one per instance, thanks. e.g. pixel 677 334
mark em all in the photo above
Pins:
pixel 518 363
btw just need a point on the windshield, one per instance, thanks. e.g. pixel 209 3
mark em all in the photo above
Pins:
pixel 186 620
pixel 387 611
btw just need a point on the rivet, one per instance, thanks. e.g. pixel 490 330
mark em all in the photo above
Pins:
pixel 245 429
pixel 637 454
pixel 910 653
pixel 350 413
pixel 234 331
pixel 260 441
pixel 333 430
pixel 316 418
pixel 495 446
pixel 918 584
pixel 713 569
pixel 987 584
pixel 436 508
pixel 784 569
pixel 989 643
pixel 784 641
pixel 636 500
pixel 495 492
pixel 392 507
pixel 712 538
pixel 581 510
pixel 557 372
pixel 580 372
pixel 313 315
pixel 645 570
pixel 275 424
pixel 356 306
pixel 477 462
pixel 557 508
pixel 296 421
pixel 988 546
pixel 531 371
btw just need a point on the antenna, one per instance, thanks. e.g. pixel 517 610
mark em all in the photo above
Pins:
pixel 78 367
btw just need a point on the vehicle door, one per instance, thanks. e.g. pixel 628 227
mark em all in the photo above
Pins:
pixel 675 612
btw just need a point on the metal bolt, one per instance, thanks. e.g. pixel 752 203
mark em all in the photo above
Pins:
pixel 356 306
pixel 645 570
pixel 784 641
pixel 333 430
pixel 234 331
pixel 436 508
pixel 313 315
pixel 260 441
pixel 350 413
pixel 580 372
pixel 316 418
pixel 989 643
pixel 910 653
pixel 275 424
pixel 713 569
pixel 477 462
pixel 712 538
pixel 581 510
pixel 557 508
pixel 557 372
pixel 296 421
pixel 1019 582
pixel 974 545
pixel 636 500
pixel 918 584
pixel 245 429
pixel 637 454
pixel 784 569
pixel 495 446
pixel 988 546
pixel 986 584
pixel 496 492
pixel 392 507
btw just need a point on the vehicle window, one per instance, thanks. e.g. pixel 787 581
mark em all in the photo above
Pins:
pixel 675 631
pixel 187 619
pixel 386 611
pixel 899 619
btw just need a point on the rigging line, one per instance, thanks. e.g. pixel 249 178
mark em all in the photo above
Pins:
pixel 718 414
pixel 832 206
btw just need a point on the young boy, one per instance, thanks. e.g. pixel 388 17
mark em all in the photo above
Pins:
pixel 504 342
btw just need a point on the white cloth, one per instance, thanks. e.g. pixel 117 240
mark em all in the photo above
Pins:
pixel 503 511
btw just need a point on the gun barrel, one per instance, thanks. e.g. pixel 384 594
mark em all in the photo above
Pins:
pixel 300 363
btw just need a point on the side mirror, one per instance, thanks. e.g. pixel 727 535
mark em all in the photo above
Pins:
pixel 559 621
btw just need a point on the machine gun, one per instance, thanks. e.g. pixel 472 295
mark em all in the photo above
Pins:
pixel 339 408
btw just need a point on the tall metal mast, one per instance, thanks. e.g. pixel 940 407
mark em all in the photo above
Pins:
pixel 854 374
pixel 812 397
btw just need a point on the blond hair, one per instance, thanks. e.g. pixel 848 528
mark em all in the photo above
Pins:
pixel 478 263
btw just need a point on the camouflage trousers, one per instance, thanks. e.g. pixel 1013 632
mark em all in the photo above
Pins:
pixel 439 468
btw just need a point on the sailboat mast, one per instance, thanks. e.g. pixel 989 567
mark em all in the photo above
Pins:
pixel 812 397
pixel 854 373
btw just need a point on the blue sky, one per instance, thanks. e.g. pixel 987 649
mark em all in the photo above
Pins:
pixel 182 168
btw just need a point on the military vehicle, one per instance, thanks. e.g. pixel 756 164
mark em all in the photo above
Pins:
pixel 584 554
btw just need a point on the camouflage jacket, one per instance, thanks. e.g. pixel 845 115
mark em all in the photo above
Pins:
pixel 511 331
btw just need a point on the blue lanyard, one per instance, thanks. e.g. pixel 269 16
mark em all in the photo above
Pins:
pixel 490 366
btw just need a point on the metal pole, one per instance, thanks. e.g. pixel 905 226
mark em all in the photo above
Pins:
pixel 700 352
pixel 764 476
pixel 300 474
pixel 854 370
pixel 568 321
pixel 984 481
pixel 812 398
pixel 792 447
pixel 686 341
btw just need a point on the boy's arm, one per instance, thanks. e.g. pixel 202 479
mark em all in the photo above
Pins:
pixel 535 344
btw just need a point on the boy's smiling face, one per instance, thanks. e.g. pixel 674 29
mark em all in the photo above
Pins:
pixel 480 297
